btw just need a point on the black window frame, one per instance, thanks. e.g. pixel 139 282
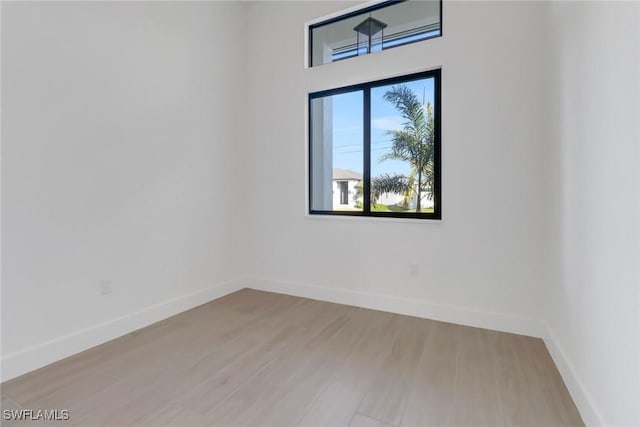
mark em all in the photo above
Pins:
pixel 366 87
pixel 362 11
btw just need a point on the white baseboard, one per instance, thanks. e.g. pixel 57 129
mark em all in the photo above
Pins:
pixel 35 357
pixel 591 416
pixel 451 314
pixel 411 307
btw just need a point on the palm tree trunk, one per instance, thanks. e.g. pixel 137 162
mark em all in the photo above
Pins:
pixel 419 189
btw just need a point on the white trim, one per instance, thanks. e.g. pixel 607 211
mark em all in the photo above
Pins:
pixel 307 178
pixel 407 306
pixel 320 85
pixel 367 218
pixel 452 314
pixel 40 355
pixel 591 416
pixel 35 357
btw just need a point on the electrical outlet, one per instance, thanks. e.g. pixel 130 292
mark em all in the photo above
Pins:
pixel 105 287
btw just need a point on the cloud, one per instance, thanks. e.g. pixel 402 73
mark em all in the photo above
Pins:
pixel 348 128
pixel 387 123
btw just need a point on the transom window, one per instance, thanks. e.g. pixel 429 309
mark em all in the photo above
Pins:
pixel 374 148
pixel 375 28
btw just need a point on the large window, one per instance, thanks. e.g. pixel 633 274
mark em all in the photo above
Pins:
pixel 374 148
pixel 382 26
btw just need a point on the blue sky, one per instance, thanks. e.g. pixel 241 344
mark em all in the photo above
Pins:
pixel 347 128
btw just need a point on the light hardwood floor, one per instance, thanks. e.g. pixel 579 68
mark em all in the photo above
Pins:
pixel 256 358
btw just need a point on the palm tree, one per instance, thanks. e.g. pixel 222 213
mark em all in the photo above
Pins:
pixel 384 183
pixel 415 142
pixel 388 184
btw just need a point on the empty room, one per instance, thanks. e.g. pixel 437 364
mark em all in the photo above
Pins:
pixel 320 213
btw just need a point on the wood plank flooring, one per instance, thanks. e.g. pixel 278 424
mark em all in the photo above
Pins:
pixel 261 359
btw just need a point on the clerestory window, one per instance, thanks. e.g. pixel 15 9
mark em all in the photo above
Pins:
pixel 375 28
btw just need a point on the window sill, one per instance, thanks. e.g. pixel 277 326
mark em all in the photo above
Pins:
pixel 367 218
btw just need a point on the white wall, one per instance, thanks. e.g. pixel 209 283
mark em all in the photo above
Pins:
pixel 117 151
pixel 124 123
pixel 484 256
pixel 594 301
pixel 540 185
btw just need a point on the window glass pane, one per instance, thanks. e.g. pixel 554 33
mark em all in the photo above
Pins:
pixel 337 152
pixel 381 137
pixel 395 24
pixel 402 147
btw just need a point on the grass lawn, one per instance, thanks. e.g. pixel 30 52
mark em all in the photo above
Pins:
pixel 396 208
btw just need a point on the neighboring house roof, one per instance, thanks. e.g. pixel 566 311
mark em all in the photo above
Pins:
pixel 346 174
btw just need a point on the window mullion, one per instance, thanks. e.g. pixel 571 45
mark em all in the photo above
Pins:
pixel 366 149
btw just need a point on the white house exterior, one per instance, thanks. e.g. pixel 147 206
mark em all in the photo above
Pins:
pixel 346 196
pixel 345 193
pixel 397 199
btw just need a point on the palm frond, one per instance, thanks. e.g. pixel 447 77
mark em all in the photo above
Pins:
pixel 414 143
pixel 387 183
